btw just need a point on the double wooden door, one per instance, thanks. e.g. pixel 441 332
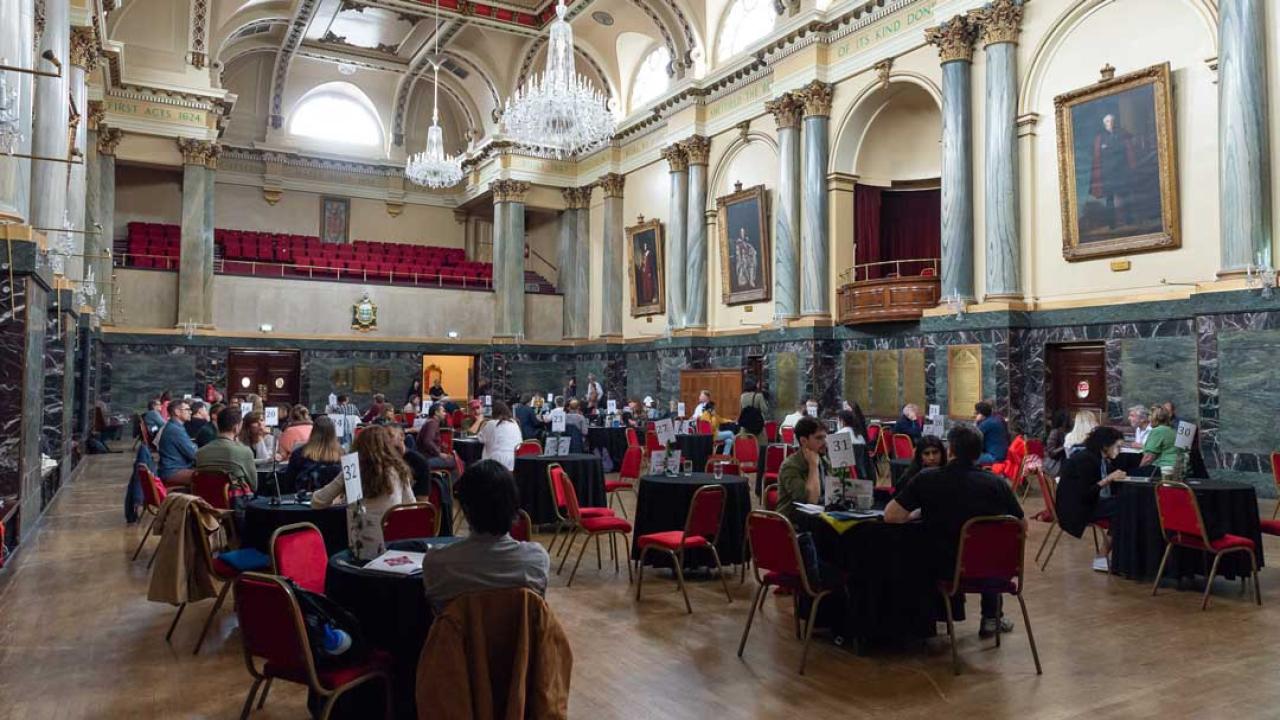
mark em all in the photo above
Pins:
pixel 725 387
pixel 272 375
pixel 1076 379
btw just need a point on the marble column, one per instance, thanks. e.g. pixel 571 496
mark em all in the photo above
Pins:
pixel 615 257
pixel 195 266
pixel 50 117
pixel 508 258
pixel 815 250
pixel 1244 160
pixel 954 39
pixel 582 265
pixel 105 222
pixel 17 18
pixel 84 58
pixel 677 216
pixel 786 112
pixel 566 258
pixel 1000 23
pixel 696 149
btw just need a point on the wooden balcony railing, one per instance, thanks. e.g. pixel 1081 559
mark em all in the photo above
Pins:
pixel 881 292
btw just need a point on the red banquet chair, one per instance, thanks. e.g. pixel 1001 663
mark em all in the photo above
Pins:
pixel 771 431
pixel 633 439
pixel 775 551
pixel 528 447
pixel 216 488
pixel 298 553
pixel 1272 526
pixel 773 457
pixel 903 448
pixel 272 628
pixel 747 453
pixel 153 494
pixel 446 440
pixel 558 479
pixel 988 558
pixel 1050 515
pixel 701 530
pixel 410 520
pixel 788 435
pixel 704 427
pixel 590 527
pixel 522 526
pixel 651 442
pixel 628 477
pixel 1182 525
pixel 728 465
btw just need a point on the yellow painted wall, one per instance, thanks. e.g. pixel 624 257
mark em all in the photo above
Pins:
pixel 646 194
pixel 455 371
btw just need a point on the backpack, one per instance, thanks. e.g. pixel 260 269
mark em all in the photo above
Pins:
pixel 751 419
pixel 318 611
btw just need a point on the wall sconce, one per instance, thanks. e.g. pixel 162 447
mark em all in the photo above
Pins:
pixel 956 305
pixel 266 327
pixel 1261 277
pixel 453 334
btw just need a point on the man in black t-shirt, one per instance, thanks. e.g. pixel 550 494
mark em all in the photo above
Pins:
pixel 948 496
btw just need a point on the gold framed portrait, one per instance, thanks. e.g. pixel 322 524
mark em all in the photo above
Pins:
pixel 1117 166
pixel 745 255
pixel 645 258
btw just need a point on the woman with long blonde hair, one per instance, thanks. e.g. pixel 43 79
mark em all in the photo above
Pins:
pixel 385 481
pixel 1085 422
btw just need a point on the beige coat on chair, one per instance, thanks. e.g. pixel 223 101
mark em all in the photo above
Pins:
pixel 181 574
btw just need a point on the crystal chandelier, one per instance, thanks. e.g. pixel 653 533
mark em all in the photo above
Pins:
pixel 63 247
pixel 10 114
pixel 559 112
pixel 431 167
pixel 85 291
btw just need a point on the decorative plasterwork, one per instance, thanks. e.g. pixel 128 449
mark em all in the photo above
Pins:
pixel 84 48
pixel 679 60
pixel 697 148
pixel 293 36
pixel 199 152
pixel 677 161
pixel 954 39
pixel 108 139
pixel 199 55
pixel 786 110
pixel 96 113
pixel 612 184
pixel 883 69
pixel 578 198
pixel 509 190
pixel 816 97
pixel 999 21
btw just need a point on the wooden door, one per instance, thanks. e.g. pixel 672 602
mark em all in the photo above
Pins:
pixel 725 387
pixel 271 374
pixel 1075 379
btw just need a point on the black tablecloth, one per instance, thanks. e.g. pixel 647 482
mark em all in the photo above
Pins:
pixel 261 519
pixel 696 448
pixel 612 439
pixel 469 449
pixel 1227 507
pixel 586 471
pixel 897 468
pixel 662 503
pixel 892 591
pixel 393 612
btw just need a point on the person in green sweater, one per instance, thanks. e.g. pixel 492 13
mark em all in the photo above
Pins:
pixel 226 455
pixel 1160 449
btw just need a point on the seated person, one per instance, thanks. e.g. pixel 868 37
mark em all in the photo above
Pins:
pixel 793 418
pixel 423 480
pixel 710 417
pixel 376 409
pixel 526 417
pixel 909 423
pixel 436 391
pixel 854 421
pixel 995 434
pixel 152 418
pixel 930 453
pixel 199 418
pixel 489 558
pixel 385 481
pixel 413 405
pixel 209 430
pixel 1160 449
pixel 1055 446
pixel 226 455
pixel 296 433
pixel 574 418
pixel 1140 421
pixel 254 434
pixel 1084 494
pixel 1083 424
pixel 501 436
pixel 475 417
pixel 704 397
pixel 429 442
pixel 802 475
pixel 345 406
pixel 177 450
pixel 948 496
pixel 317 461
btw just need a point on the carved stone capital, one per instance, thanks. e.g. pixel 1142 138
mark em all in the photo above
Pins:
pixel 108 139
pixel 675 157
pixel 786 110
pixel 199 152
pixel 954 39
pixel 612 184
pixel 884 69
pixel 572 198
pixel 816 97
pixel 509 190
pixel 84 48
pixel 96 113
pixel 271 194
pixel 697 148
pixel 999 21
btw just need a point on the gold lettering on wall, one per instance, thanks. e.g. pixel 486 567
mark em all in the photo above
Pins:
pixel 913 378
pixel 155 111
pixel 733 101
pixel 884 383
pixel 915 16
pixel 964 379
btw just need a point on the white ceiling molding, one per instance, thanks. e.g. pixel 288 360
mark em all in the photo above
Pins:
pixel 302 14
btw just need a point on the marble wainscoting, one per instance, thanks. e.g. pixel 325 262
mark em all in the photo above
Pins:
pixel 995 368
pixel 51 436
pixel 326 371
pixel 133 373
pixel 23 319
pixel 71 437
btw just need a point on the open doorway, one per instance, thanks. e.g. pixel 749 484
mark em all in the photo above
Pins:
pixel 455 373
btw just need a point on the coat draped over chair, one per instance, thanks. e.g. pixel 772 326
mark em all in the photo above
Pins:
pixel 180 575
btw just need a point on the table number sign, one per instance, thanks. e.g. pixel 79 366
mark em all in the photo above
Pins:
pixel 351 477
pixel 271 416
pixel 934 411
pixel 840 449
pixel 812 408
pixel 557 420
pixel 665 430
pixel 680 409
pixel 1186 435
pixel 245 408
pixel 612 407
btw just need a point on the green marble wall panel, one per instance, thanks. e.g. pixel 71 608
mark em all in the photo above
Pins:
pixel 140 377
pixel 642 378
pixel 540 377
pixel 787 382
pixel 1154 370
pixel 1248 390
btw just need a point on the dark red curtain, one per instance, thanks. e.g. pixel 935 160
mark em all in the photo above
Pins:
pixel 910 227
pixel 866 233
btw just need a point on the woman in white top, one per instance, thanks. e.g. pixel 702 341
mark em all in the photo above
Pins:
pixel 385 481
pixel 1085 422
pixel 500 436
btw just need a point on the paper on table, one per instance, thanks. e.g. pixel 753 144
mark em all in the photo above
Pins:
pixel 351 477
pixel 807 508
pixel 398 562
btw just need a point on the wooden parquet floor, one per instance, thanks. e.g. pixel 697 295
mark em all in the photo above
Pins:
pixel 79 640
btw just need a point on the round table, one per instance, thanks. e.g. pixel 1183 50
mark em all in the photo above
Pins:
pixel 662 503
pixel 261 519
pixel 469 449
pixel 393 612
pixel 612 439
pixel 1137 545
pixel 696 448
pixel 585 470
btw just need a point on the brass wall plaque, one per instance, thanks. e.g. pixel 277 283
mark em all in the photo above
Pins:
pixel 964 379
pixel 363 382
pixel 857 378
pixel 913 378
pixel 381 379
pixel 787 383
pixel 884 383
pixel 341 378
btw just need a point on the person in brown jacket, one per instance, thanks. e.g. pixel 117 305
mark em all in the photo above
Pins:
pixel 495 655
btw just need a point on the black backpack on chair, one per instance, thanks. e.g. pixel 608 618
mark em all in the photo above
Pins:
pixel 751 419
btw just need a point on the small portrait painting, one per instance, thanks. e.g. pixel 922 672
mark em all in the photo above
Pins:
pixel 745 259
pixel 335 219
pixel 644 245
pixel 1117 166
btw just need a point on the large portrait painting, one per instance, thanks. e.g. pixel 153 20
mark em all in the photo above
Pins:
pixel 644 249
pixel 1117 166
pixel 335 219
pixel 745 259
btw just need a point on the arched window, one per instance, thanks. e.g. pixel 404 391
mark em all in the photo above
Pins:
pixel 651 77
pixel 335 114
pixel 745 22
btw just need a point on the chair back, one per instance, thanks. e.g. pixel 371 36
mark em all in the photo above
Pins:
pixel 706 511
pixel 704 427
pixel 633 438
pixel 746 451
pixel 903 448
pixel 727 462
pixel 990 549
pixel 1275 467
pixel 873 439
pixel 298 553
pixel 1013 458
pixel 565 493
pixel 271 625
pixel 1180 518
pixel 773 457
pixel 774 547
pixel 409 418
pixel 771 496
pixel 1035 448
pixel 886 442
pixel 788 435
pixel 214 487
pixel 631 462
pixel 446 440
pixel 771 431
pixel 651 441
pixel 1049 492
pixel 522 526
pixel 456 418
pixel 153 490
pixel 410 520
pixel 528 447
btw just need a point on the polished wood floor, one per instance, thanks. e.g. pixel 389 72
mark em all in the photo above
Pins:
pixel 79 640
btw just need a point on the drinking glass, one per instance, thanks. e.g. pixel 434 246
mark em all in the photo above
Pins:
pixel 719 471
pixel 687 465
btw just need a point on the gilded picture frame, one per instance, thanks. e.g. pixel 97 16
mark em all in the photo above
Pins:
pixel 746 256
pixel 335 219
pixel 646 258
pixel 1117 166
